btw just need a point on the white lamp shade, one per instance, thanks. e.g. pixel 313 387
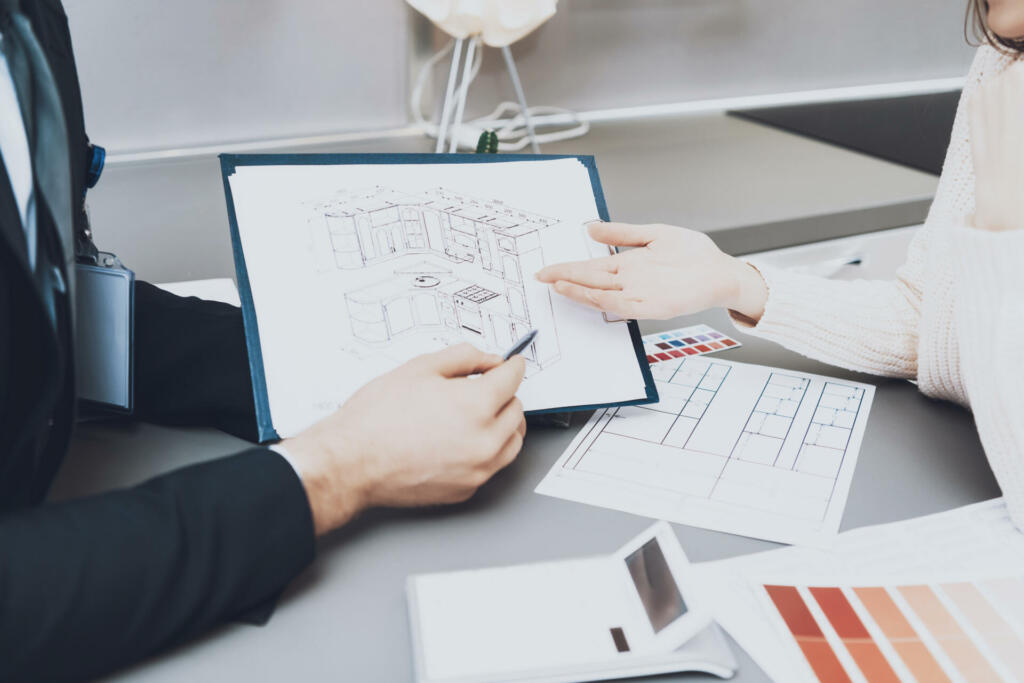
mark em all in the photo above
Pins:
pixel 497 22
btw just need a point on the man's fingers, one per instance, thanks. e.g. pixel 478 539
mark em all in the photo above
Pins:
pixel 622 234
pixel 511 424
pixel 600 273
pixel 501 382
pixel 508 452
pixel 509 418
pixel 461 360
pixel 609 301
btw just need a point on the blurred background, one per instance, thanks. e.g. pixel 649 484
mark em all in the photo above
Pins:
pixel 167 85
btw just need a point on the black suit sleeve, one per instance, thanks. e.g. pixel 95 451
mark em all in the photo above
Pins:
pixel 91 585
pixel 191 363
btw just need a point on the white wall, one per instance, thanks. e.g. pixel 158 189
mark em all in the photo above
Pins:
pixel 171 73
pixel 598 54
pixel 159 73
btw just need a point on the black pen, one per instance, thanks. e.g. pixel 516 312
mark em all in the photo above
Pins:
pixel 521 344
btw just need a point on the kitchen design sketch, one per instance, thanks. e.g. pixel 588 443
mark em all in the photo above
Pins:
pixel 425 241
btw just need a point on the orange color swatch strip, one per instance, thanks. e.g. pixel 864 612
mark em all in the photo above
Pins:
pixel 898 631
pixel 855 636
pixel 943 627
pixel 807 633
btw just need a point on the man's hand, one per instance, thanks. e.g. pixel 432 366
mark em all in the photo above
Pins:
pixel 996 113
pixel 673 271
pixel 424 433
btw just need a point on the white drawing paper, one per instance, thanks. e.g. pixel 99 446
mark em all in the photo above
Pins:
pixel 355 269
pixel 739 448
pixel 971 542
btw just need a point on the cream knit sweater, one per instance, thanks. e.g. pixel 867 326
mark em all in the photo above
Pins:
pixel 953 319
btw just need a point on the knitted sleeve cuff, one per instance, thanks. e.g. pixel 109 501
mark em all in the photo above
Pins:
pixel 868 326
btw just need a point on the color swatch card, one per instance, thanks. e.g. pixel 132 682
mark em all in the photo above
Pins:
pixel 695 340
pixel 969 630
pixel 744 449
pixel 894 584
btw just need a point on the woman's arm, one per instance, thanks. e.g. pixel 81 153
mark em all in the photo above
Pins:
pixel 870 326
pixel 863 325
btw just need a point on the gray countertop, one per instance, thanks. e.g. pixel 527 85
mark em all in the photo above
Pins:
pixel 754 187
pixel 345 617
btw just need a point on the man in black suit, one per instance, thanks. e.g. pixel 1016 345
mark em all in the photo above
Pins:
pixel 90 585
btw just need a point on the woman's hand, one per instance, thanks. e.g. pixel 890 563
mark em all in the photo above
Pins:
pixel 996 112
pixel 674 271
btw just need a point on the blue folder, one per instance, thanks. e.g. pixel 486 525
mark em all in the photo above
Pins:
pixel 229 162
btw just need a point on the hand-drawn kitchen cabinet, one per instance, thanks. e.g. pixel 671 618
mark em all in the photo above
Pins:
pixel 496 307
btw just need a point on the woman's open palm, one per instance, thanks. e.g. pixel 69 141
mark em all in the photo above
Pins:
pixel 671 271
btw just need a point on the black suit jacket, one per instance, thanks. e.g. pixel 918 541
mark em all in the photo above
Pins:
pixel 89 585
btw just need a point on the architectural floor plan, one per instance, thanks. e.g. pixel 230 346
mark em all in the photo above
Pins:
pixel 738 448
pixel 445 265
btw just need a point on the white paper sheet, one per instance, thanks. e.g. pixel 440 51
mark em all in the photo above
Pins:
pixel 739 448
pixel 973 541
pixel 356 268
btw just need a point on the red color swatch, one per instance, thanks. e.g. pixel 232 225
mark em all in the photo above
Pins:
pixel 854 635
pixel 807 633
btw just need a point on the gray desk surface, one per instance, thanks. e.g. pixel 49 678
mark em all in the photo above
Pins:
pixel 345 618
pixel 756 188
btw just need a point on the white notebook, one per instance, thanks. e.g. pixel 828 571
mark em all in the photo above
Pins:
pixel 631 613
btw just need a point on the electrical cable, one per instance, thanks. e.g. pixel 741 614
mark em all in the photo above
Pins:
pixel 506 120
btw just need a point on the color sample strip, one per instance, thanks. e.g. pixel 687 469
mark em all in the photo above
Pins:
pixel 807 633
pixel 854 634
pixel 995 630
pixel 690 341
pixel 944 628
pixel 900 634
